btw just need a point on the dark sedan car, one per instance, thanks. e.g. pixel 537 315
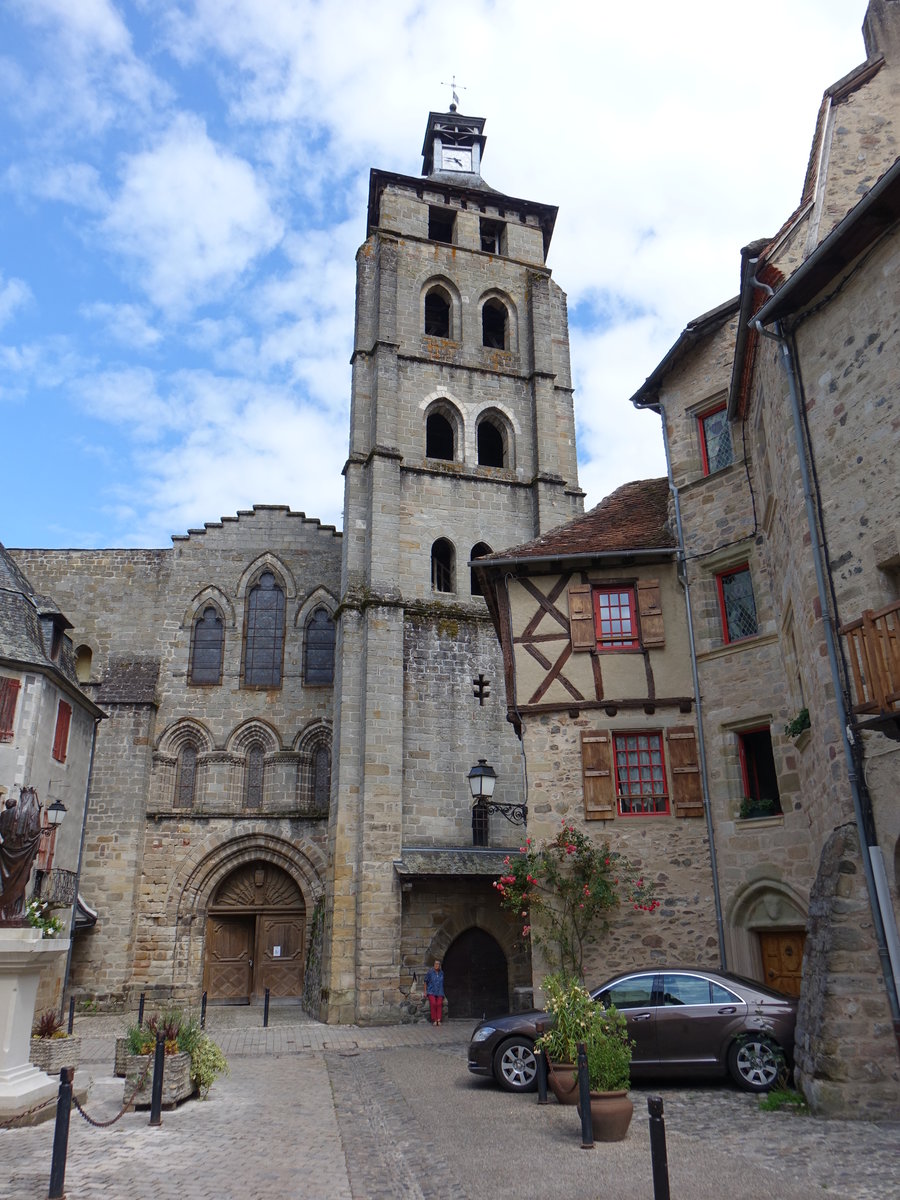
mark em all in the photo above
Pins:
pixel 682 1021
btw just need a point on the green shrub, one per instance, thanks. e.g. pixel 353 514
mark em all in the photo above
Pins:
pixel 207 1064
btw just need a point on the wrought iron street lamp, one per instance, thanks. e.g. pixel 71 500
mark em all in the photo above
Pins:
pixel 482 778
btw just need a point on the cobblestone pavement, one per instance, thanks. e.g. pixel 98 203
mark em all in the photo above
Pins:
pixel 346 1113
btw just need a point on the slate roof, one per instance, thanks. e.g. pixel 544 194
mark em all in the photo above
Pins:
pixel 452 862
pixel 21 628
pixel 130 681
pixel 633 517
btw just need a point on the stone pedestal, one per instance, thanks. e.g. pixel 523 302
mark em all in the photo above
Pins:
pixel 24 953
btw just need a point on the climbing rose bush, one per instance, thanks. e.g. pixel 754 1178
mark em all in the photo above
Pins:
pixel 563 891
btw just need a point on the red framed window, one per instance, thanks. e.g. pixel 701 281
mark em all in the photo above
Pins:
pixel 715 440
pixel 61 736
pixel 736 604
pixel 615 619
pixel 640 774
pixel 758 773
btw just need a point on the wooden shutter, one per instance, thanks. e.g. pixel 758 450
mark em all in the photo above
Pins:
pixel 652 632
pixel 61 737
pixel 581 617
pixel 596 767
pixel 9 690
pixel 687 790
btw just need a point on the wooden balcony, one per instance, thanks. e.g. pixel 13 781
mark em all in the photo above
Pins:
pixel 873 643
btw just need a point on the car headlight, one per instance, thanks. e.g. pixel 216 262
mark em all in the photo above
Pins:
pixel 482 1033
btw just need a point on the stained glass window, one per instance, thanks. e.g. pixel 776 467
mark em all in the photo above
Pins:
pixel 265 633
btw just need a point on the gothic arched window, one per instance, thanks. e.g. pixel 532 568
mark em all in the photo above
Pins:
pixel 253 788
pixel 478 551
pixel 443 562
pixel 491 445
pixel 186 776
pixel 321 777
pixel 437 313
pixel 318 656
pixel 439 437
pixel 207 644
pixel 494 325
pixel 264 642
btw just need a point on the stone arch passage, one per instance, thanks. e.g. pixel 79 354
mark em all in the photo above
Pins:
pixel 255 936
pixel 476 975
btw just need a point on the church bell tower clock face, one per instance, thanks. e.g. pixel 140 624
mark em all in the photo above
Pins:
pixel 456 158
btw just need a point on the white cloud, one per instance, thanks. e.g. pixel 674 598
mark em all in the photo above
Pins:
pixel 14 294
pixel 126 323
pixel 191 217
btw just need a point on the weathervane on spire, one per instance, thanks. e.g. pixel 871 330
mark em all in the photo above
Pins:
pixel 454 102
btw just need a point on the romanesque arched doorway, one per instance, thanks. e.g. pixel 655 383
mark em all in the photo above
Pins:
pixel 255 937
pixel 476 978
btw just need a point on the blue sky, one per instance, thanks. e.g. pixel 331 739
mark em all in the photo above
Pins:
pixel 183 187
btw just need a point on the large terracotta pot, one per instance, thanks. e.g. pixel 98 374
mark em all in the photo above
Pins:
pixel 611 1114
pixel 562 1080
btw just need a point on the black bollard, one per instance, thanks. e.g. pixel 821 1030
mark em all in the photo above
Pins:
pixel 584 1100
pixel 203 1011
pixel 541 1060
pixel 658 1156
pixel 159 1066
pixel 61 1135
pixel 71 1015
pixel 141 1009
pixel 266 1011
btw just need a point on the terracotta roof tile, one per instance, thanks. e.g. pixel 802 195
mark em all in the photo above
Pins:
pixel 634 517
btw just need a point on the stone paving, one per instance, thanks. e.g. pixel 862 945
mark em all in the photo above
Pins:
pixel 347 1113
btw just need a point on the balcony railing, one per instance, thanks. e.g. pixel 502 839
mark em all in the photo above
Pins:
pixel 874 645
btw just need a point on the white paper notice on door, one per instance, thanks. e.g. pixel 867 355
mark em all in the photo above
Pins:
pixel 276 952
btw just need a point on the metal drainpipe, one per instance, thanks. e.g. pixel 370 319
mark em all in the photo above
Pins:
pixel 701 741
pixel 792 372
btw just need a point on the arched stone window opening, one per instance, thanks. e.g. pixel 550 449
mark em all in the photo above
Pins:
pixel 439 437
pixel 264 640
pixel 318 653
pixel 186 776
pixel 495 325
pixel 478 551
pixel 207 645
pixel 83 659
pixel 255 775
pixel 321 778
pixel 437 313
pixel 491 445
pixel 443 566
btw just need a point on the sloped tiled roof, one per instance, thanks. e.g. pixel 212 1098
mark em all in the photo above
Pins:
pixel 633 517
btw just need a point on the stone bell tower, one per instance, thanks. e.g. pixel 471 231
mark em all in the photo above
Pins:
pixel 462 441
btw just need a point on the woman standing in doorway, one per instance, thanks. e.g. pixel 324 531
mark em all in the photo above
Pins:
pixel 434 991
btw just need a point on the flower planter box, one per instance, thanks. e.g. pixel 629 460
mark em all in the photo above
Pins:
pixel 177 1082
pixel 121 1055
pixel 52 1054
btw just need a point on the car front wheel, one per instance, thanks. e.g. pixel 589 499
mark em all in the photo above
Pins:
pixel 515 1066
pixel 755 1063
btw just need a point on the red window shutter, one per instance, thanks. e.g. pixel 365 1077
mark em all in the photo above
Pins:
pixel 596 767
pixel 652 631
pixel 581 617
pixel 61 737
pixel 687 790
pixel 9 691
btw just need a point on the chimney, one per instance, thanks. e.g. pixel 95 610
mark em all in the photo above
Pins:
pixel 881 30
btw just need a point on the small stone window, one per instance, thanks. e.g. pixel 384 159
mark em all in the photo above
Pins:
pixel 491 447
pixel 443 562
pixel 437 313
pixel 736 604
pixel 321 778
pixel 495 325
pixel 83 659
pixel 440 224
pixel 492 236
pixel 186 777
pixel 253 787
pixel 758 774
pixel 479 550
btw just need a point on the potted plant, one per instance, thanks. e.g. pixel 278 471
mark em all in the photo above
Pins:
pixel 179 1035
pixel 51 1046
pixel 608 1050
pixel 570 1011
pixel 751 808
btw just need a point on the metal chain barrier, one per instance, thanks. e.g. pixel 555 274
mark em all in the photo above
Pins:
pixel 126 1103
